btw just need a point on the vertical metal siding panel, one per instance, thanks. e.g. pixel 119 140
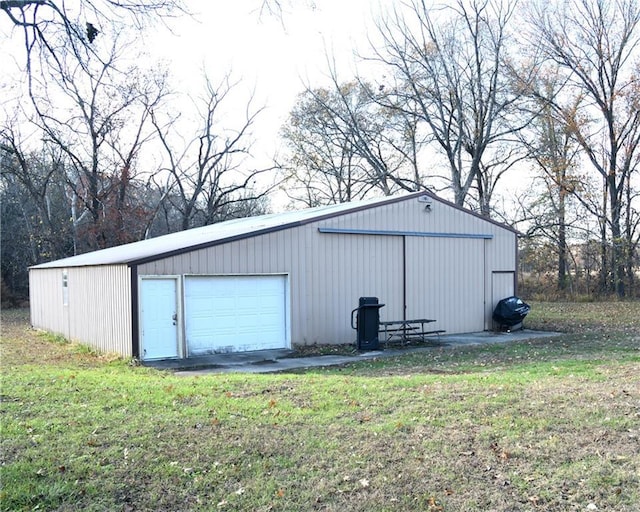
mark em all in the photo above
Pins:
pixel 324 281
pixel 152 267
pixel 193 259
pixel 302 293
pixel 311 287
pixel 243 257
pixel 326 285
pixel 445 282
pixel 254 260
pixel 100 307
pixel 448 279
pixel 157 267
pixel 234 262
pixel 348 273
pixel 298 270
pixel 216 259
pixel 45 297
pixel 327 280
pixel 333 287
pixel 352 266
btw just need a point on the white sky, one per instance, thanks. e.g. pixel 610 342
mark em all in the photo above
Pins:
pixel 273 58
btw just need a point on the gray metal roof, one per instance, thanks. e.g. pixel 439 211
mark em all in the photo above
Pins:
pixel 174 243
pixel 154 248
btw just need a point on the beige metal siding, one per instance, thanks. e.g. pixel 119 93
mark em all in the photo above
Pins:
pixel 346 268
pixel 329 271
pixel 498 252
pixel 445 282
pixel 45 301
pixel 99 309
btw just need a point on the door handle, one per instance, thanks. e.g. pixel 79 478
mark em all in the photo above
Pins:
pixel 174 318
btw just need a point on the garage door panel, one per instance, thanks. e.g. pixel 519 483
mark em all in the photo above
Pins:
pixel 235 313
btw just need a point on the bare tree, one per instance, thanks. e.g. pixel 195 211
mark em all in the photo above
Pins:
pixel 97 116
pixel 555 153
pixel 344 144
pixel 52 28
pixel 322 167
pixel 207 180
pixel 631 209
pixel 33 209
pixel 595 43
pixel 39 177
pixel 452 70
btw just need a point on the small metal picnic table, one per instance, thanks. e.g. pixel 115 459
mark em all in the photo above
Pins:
pixel 407 330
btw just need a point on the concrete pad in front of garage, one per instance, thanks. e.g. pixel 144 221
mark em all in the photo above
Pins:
pixel 484 337
pixel 269 361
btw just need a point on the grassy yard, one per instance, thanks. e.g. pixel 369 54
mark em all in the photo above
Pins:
pixel 551 425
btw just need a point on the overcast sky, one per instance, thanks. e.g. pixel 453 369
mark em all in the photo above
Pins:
pixel 272 57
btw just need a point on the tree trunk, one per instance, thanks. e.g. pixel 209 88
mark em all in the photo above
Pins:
pixel 628 241
pixel 562 240
pixel 604 266
pixel 617 245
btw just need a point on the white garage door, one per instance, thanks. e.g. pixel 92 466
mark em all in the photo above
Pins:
pixel 235 313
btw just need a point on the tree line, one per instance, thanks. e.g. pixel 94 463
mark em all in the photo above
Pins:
pixel 95 152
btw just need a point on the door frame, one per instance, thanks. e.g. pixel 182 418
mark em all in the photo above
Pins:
pixel 177 279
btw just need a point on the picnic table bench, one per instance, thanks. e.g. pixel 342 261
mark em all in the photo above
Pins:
pixel 407 330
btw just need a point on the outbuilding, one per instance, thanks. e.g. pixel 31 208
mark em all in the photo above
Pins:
pixel 280 280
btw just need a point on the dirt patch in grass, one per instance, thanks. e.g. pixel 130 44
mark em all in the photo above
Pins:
pixel 317 349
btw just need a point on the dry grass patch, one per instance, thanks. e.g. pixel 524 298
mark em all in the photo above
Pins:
pixel 548 426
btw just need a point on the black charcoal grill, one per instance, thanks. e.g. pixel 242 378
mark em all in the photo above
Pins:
pixel 510 312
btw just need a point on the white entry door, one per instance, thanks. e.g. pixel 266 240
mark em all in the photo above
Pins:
pixel 235 313
pixel 158 318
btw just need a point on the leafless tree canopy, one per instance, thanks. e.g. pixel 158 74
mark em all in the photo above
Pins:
pixel 345 144
pixel 208 181
pixel 452 69
pixel 596 45
pixel 51 28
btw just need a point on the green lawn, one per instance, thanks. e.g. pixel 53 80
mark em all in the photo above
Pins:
pixel 549 425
